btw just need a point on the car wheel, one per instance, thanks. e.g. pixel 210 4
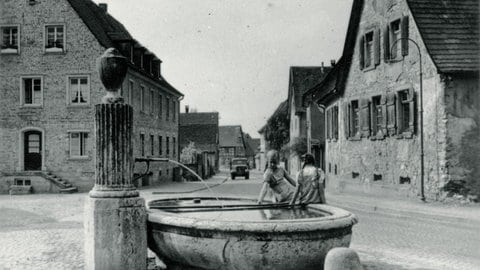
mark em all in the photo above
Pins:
pixel 247 176
pixel 233 176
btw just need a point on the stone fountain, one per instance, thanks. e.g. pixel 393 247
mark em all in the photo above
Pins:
pixel 194 233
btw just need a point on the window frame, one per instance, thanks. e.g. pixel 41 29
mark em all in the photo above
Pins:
pixel 160 145
pixel 142 98
pixel 160 106
pixel 152 102
pixel 406 130
pixel 142 144
pixel 372 64
pixel 81 134
pixel 167 146
pixel 167 117
pixel 22 91
pixel 17 26
pixel 45 38
pixel 174 141
pixel 152 144
pixel 398 45
pixel 354 129
pixel 68 95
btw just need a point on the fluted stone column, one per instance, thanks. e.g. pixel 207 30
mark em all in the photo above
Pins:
pixel 115 215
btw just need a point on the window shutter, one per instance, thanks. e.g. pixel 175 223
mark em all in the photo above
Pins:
pixel 351 124
pixel 411 106
pixel 372 119
pixel 335 122
pixel 400 127
pixel 328 123
pixel 383 102
pixel 361 52
pixel 386 43
pixel 364 117
pixel 346 120
pixel 404 35
pixel 391 114
pixel 376 46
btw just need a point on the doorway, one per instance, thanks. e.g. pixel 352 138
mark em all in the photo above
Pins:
pixel 32 150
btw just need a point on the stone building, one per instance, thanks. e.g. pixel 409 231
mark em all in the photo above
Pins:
pixel 231 144
pixel 49 85
pixel 372 98
pixel 201 128
pixel 302 130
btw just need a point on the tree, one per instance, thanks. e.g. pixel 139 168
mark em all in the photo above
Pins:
pixel 277 130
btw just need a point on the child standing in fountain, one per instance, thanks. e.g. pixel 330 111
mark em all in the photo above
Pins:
pixel 276 178
pixel 310 183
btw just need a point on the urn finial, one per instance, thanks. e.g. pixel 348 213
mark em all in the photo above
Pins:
pixel 112 68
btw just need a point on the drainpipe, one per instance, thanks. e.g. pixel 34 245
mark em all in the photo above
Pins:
pixel 422 153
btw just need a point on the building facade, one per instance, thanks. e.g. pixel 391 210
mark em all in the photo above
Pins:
pixel 201 128
pixel 302 130
pixel 373 131
pixel 49 85
pixel 231 144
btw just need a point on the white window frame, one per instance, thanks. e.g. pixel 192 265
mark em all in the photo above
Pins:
pixel 81 134
pixel 22 91
pixel 45 37
pixel 10 51
pixel 69 97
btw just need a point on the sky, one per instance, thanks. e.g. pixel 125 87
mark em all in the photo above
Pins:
pixel 233 56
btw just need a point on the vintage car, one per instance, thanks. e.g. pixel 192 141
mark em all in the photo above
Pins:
pixel 239 167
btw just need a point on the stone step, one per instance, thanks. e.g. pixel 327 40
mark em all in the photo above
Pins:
pixel 69 190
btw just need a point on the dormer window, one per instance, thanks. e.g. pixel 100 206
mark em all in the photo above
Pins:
pixel 10 39
pixel 55 38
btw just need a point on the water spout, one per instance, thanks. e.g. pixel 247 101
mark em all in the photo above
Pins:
pixel 149 159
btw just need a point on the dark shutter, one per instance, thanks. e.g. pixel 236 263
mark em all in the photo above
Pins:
pixel 372 119
pixel 411 110
pixel 386 43
pixel 400 126
pixel 364 117
pixel 346 120
pixel 404 35
pixel 361 52
pixel 391 114
pixel 376 46
pixel 383 103
pixel 335 122
pixel 329 122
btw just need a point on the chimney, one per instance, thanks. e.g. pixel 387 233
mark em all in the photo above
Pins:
pixel 103 6
pixel 322 67
pixel 187 109
pixel 332 62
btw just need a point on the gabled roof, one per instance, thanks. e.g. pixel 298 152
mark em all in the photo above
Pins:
pixel 198 118
pixel 107 30
pixel 231 136
pixel 302 79
pixel 450 31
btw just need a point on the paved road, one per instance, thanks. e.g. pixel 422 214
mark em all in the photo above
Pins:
pixel 46 231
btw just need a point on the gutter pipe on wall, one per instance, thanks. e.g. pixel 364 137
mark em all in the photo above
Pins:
pixel 422 154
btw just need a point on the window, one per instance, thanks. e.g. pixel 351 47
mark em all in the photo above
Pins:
pixel 152 145
pixel 332 122
pixel 167 106
pixel 78 144
pixel 32 93
pixel 22 182
pixel 55 38
pixel 160 106
pixel 142 98
pixel 378 116
pixel 369 49
pixel 395 39
pixel 231 151
pixel 406 112
pixel 355 120
pixel 160 148
pixel 130 92
pixel 142 144
pixel 78 90
pixel 10 39
pixel 167 144
pixel 174 110
pixel 151 103
pixel 173 145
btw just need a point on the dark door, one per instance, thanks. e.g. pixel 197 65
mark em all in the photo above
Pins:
pixel 33 151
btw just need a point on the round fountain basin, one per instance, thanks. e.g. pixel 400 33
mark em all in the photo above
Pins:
pixel 271 238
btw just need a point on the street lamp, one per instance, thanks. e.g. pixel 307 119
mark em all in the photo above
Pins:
pixel 422 154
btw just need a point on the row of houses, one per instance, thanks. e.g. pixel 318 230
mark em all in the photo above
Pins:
pixel 49 85
pixel 365 113
pixel 218 144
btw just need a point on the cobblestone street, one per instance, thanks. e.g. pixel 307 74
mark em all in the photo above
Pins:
pixel 46 231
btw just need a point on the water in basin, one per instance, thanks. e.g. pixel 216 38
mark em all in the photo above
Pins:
pixel 226 210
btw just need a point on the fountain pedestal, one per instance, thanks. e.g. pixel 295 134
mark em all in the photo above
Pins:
pixel 115 215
